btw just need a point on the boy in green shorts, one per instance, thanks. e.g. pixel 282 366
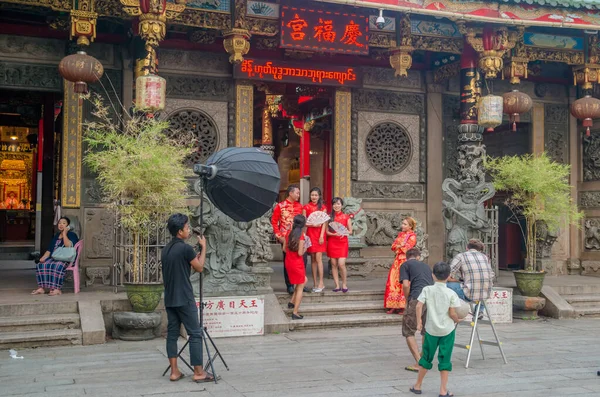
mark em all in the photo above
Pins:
pixel 439 333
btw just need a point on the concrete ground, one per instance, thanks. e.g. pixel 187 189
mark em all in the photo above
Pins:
pixel 546 358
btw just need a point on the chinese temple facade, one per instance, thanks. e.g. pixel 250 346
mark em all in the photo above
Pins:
pixel 372 99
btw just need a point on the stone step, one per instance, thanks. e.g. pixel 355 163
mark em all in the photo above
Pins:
pixel 46 338
pixel 338 308
pixel 39 323
pixel 584 289
pixel 588 311
pixel 330 296
pixel 38 308
pixel 345 321
pixel 593 298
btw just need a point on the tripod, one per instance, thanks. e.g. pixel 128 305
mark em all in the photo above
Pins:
pixel 205 336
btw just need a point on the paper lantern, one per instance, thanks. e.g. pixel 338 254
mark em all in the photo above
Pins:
pixel 81 69
pixel 586 109
pixel 490 112
pixel 150 93
pixel 516 103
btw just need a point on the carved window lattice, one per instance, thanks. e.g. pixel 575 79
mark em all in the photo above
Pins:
pixel 198 126
pixel 388 148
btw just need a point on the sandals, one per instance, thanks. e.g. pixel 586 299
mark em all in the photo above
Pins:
pixel 209 378
pixel 336 289
pixel 412 368
pixel 448 394
pixel 55 292
pixel 181 376
pixel 39 291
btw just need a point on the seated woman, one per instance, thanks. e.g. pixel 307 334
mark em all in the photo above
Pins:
pixel 50 273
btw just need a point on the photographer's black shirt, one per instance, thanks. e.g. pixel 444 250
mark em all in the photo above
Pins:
pixel 419 274
pixel 176 268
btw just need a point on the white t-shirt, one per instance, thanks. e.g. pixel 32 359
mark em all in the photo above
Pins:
pixel 439 298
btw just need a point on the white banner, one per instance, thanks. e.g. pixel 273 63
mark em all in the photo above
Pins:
pixel 234 316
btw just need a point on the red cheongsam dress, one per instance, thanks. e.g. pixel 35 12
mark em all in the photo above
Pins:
pixel 294 265
pixel 337 246
pixel 314 232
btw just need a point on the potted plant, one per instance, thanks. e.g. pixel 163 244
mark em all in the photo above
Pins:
pixel 141 172
pixel 540 194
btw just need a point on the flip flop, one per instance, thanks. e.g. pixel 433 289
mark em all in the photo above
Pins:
pixel 412 368
pixel 413 390
pixel 180 377
pixel 209 378
pixel 336 289
pixel 448 394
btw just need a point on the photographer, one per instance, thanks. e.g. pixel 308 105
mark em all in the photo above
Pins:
pixel 49 272
pixel 177 260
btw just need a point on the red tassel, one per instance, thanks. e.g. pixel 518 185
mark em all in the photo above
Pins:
pixel 514 127
pixel 587 132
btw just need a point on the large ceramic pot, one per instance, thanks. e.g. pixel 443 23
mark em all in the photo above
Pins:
pixel 529 283
pixel 144 297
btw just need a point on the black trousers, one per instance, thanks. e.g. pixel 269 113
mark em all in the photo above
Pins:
pixel 188 316
pixel 285 275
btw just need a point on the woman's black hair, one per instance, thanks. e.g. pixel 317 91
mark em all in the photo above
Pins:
pixel 293 242
pixel 66 219
pixel 333 201
pixel 320 201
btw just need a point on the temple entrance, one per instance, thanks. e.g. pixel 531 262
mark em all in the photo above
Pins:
pixel 28 183
pixel 295 124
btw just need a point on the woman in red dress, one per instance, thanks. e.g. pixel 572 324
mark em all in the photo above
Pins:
pixel 337 245
pixel 294 249
pixel 316 234
pixel 394 298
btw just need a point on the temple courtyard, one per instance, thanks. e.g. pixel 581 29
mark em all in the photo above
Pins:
pixel 545 358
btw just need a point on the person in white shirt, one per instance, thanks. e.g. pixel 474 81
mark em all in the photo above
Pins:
pixel 440 323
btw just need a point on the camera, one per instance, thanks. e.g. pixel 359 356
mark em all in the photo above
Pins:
pixel 380 23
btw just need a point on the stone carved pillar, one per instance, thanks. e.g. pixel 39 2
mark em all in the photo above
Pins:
pixel 244 115
pixel 342 144
pixel 71 149
pixel 464 213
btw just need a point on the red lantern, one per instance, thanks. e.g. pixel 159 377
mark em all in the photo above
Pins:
pixel 515 103
pixel 586 109
pixel 80 69
pixel 150 93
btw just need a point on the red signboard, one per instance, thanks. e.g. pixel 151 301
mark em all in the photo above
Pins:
pixel 302 73
pixel 324 31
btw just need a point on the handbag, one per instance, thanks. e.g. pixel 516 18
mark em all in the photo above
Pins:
pixel 64 254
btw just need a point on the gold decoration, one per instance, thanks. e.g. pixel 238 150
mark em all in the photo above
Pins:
pixel 153 28
pixel 273 102
pixel 71 145
pixel 342 185
pixel 267 43
pixel 381 40
pixel 57 5
pixel 244 115
pixel 267 126
pixel 237 44
pixel 515 69
pixel 445 72
pixel 586 75
pixel 83 26
pixel 445 44
pixel 203 19
pixel 203 36
pixel 490 63
pixel 263 27
pixel 308 125
pixel 401 60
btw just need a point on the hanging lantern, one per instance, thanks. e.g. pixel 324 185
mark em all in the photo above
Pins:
pixel 150 93
pixel 80 69
pixel 516 103
pixel 586 109
pixel 490 112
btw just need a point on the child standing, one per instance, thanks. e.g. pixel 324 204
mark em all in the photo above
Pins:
pixel 441 321
pixel 294 248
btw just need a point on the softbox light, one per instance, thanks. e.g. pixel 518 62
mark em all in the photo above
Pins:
pixel 242 182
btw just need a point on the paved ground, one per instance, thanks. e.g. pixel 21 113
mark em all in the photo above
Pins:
pixel 544 360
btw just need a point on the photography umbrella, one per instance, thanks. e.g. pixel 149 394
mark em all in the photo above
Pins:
pixel 241 182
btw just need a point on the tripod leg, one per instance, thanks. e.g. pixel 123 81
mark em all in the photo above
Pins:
pixel 209 358
pixel 182 359
pixel 218 353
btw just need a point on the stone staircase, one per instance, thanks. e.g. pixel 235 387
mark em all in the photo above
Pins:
pixel 39 325
pixel 585 299
pixel 338 310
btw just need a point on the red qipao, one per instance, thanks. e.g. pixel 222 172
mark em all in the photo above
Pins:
pixel 294 264
pixel 337 246
pixel 394 295
pixel 314 232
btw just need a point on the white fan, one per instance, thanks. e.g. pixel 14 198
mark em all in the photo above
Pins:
pixel 307 242
pixel 339 229
pixel 317 218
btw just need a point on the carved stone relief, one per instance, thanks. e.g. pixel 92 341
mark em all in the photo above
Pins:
pixel 383 228
pixel 193 87
pixel 389 191
pixel 376 129
pixel 450 121
pixel 591 158
pixel 99 224
pixel 393 102
pixel 592 234
pixel 231 123
pixel 205 112
pixel 556 128
pixel 31 49
pixel 38 77
pixel 589 199
pixel 194 62
pixel 384 77
pixel 201 127
pixel 354 144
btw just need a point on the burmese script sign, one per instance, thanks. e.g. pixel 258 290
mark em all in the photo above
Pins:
pixel 288 72
pixel 234 316
pixel 324 31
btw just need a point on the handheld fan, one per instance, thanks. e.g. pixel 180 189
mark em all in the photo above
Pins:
pixel 339 229
pixel 307 242
pixel 317 218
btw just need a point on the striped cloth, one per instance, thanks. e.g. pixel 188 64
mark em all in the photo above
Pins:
pixel 475 272
pixel 51 274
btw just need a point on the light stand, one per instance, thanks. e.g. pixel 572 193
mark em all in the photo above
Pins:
pixel 205 172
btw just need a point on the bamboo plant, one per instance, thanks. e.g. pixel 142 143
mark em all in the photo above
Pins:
pixel 539 191
pixel 141 172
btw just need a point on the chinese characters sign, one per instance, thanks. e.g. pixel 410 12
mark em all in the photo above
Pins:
pixel 71 148
pixel 288 72
pixel 499 305
pixel 234 316
pixel 324 31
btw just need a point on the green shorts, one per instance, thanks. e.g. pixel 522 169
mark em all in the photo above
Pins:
pixel 431 344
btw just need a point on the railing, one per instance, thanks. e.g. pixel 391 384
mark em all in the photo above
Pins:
pixel 137 255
